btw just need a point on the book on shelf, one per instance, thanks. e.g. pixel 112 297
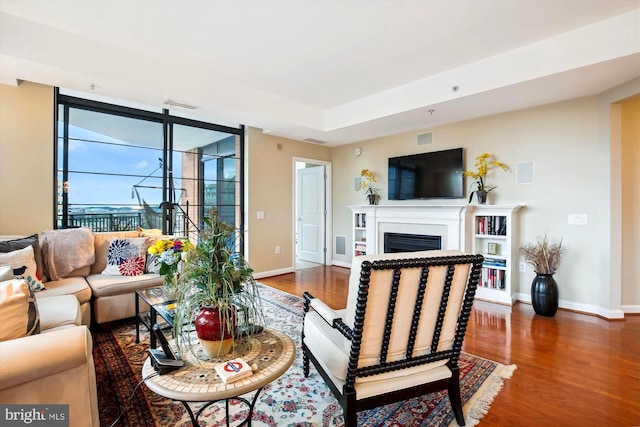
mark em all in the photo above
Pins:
pixel 492 225
pixel 493 279
pixel 494 262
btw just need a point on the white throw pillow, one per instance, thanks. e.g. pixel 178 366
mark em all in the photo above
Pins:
pixel 24 266
pixel 126 257
pixel 18 310
pixel 6 273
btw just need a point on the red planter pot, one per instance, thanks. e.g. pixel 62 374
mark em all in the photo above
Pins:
pixel 216 330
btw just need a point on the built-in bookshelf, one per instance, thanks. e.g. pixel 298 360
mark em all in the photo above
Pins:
pixel 494 236
pixel 359 233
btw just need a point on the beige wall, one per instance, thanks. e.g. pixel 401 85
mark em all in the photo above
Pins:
pixel 26 158
pixel 571 175
pixel 577 161
pixel 270 172
pixel 630 133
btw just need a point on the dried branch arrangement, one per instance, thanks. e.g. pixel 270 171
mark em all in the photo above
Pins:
pixel 543 255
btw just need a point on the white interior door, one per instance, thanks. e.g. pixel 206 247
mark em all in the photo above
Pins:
pixel 310 211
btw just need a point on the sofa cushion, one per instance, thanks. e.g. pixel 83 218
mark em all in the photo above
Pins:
pixel 6 273
pixel 102 285
pixel 24 266
pixel 150 232
pixel 101 242
pixel 57 311
pixel 76 286
pixel 79 272
pixel 126 257
pixel 66 250
pixel 22 242
pixel 18 310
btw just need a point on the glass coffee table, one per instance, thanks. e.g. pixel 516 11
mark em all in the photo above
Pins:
pixel 159 304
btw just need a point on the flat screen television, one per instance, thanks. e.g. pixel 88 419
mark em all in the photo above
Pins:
pixel 434 175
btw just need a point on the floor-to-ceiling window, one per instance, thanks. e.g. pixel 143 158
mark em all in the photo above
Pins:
pixel 120 168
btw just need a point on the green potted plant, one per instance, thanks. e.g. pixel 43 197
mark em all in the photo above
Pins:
pixel 484 164
pixel 544 257
pixel 216 283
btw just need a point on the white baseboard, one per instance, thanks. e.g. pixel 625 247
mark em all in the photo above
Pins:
pixel 569 305
pixel 583 308
pixel 631 309
pixel 341 264
pixel 273 272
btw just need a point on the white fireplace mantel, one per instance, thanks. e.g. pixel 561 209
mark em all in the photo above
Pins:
pixel 446 221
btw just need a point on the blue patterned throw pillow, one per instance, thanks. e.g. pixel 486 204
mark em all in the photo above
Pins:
pixel 126 257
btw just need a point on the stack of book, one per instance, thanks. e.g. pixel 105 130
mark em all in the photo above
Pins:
pixel 495 262
pixel 233 370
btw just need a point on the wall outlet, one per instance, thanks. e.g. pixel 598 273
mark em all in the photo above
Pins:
pixel 523 267
pixel 577 219
pixel 277 249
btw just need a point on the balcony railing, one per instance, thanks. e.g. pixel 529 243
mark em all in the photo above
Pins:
pixel 126 221
pixel 108 221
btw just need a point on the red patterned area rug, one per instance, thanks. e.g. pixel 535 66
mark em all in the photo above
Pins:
pixel 292 400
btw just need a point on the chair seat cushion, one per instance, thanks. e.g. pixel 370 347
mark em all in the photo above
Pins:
pixel 326 344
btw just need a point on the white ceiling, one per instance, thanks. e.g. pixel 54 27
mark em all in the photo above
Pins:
pixel 335 71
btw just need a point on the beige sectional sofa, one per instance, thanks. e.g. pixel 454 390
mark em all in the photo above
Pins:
pixel 113 297
pixel 54 365
pixel 102 298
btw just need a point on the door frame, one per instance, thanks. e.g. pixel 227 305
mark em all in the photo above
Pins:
pixel 328 229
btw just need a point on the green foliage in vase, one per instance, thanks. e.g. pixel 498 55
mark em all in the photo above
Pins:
pixel 215 274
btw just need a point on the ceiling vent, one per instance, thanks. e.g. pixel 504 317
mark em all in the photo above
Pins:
pixel 184 105
pixel 315 141
pixel 425 138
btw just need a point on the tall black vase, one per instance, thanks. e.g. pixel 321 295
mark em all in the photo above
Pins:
pixel 544 295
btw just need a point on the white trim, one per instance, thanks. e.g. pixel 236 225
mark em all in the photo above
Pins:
pixel 341 264
pixel 273 272
pixel 328 207
pixel 583 308
pixel 631 309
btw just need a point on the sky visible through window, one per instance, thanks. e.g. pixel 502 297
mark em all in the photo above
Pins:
pixel 96 163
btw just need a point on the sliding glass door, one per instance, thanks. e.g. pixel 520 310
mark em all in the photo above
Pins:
pixel 119 168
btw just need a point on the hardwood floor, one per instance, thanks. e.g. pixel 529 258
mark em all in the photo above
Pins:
pixel 572 369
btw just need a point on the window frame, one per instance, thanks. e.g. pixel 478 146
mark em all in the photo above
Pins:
pixel 167 121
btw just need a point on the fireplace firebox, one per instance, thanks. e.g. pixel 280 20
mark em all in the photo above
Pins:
pixel 403 242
